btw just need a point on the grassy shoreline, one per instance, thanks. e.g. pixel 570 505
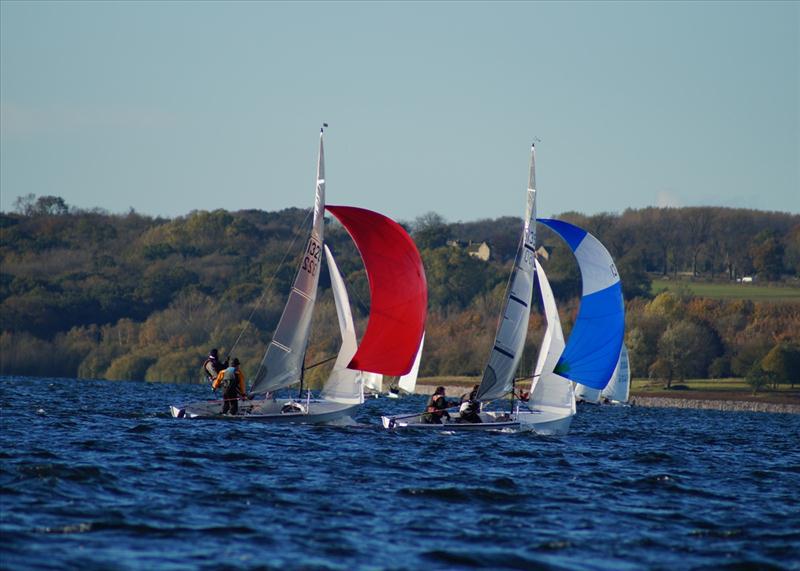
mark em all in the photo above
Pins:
pixel 728 290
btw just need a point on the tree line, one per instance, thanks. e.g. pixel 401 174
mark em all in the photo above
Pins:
pixel 126 296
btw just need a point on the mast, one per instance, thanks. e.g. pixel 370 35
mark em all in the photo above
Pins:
pixel 498 376
pixel 282 364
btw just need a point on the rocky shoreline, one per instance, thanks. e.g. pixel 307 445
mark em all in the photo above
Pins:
pixel 710 404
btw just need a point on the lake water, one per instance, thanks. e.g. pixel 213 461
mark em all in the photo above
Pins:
pixel 97 475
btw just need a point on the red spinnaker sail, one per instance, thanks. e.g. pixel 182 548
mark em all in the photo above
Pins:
pixel 398 291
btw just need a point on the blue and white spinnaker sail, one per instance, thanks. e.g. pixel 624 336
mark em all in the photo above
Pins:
pixel 594 344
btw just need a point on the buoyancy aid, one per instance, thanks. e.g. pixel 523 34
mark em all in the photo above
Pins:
pixel 211 368
pixel 230 382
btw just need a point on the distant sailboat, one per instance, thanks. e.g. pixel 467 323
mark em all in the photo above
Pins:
pixel 586 394
pixel 397 321
pixel 373 384
pixel 619 387
pixel 408 382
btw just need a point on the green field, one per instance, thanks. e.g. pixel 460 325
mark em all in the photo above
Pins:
pixel 731 290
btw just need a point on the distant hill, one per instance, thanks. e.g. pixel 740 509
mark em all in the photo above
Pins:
pixel 92 294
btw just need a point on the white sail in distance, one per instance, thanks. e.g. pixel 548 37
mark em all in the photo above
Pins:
pixel 618 388
pixel 372 381
pixel 283 361
pixel 587 394
pixel 408 382
pixel 498 376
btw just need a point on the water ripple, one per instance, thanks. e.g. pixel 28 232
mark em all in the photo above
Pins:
pixel 125 486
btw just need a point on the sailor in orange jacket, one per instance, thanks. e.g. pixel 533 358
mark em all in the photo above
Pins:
pixel 232 382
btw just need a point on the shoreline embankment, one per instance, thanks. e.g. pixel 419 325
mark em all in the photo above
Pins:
pixel 707 401
pixel 713 404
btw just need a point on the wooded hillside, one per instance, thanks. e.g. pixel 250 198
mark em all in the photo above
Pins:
pixel 94 295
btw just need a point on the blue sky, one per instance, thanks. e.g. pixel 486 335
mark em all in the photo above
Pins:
pixel 172 107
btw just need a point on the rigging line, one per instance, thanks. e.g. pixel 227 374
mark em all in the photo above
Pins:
pixel 318 363
pixel 269 286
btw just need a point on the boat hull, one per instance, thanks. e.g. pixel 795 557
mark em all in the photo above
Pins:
pixel 552 421
pixel 544 420
pixel 275 412
pixel 491 421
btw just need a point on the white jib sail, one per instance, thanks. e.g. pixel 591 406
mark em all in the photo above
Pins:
pixel 498 377
pixel 283 360
pixel 408 382
pixel 343 384
pixel 618 388
pixel 550 389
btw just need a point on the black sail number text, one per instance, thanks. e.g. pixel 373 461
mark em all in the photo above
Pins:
pixel 312 257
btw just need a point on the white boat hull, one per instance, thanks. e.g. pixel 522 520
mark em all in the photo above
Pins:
pixel 551 421
pixel 491 421
pixel 546 420
pixel 310 412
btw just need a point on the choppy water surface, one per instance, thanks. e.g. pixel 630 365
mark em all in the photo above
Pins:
pixel 97 475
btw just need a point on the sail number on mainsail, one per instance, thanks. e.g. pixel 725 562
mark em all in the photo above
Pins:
pixel 311 260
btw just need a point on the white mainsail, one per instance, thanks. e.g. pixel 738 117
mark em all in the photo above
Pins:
pixel 550 389
pixel 498 377
pixel 408 382
pixel 343 384
pixel 618 388
pixel 283 361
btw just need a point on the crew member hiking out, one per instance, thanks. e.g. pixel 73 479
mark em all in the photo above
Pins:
pixel 232 382
pixel 212 366
pixel 436 408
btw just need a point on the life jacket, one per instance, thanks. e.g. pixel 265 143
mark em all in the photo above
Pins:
pixel 211 368
pixel 229 380
pixel 436 405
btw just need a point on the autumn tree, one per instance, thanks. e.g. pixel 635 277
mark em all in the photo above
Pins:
pixel 687 348
pixel 783 361
pixel 767 255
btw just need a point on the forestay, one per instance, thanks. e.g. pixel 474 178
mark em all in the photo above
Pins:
pixel 498 377
pixel 282 364
pixel 343 384
pixel 398 291
pixel 596 339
